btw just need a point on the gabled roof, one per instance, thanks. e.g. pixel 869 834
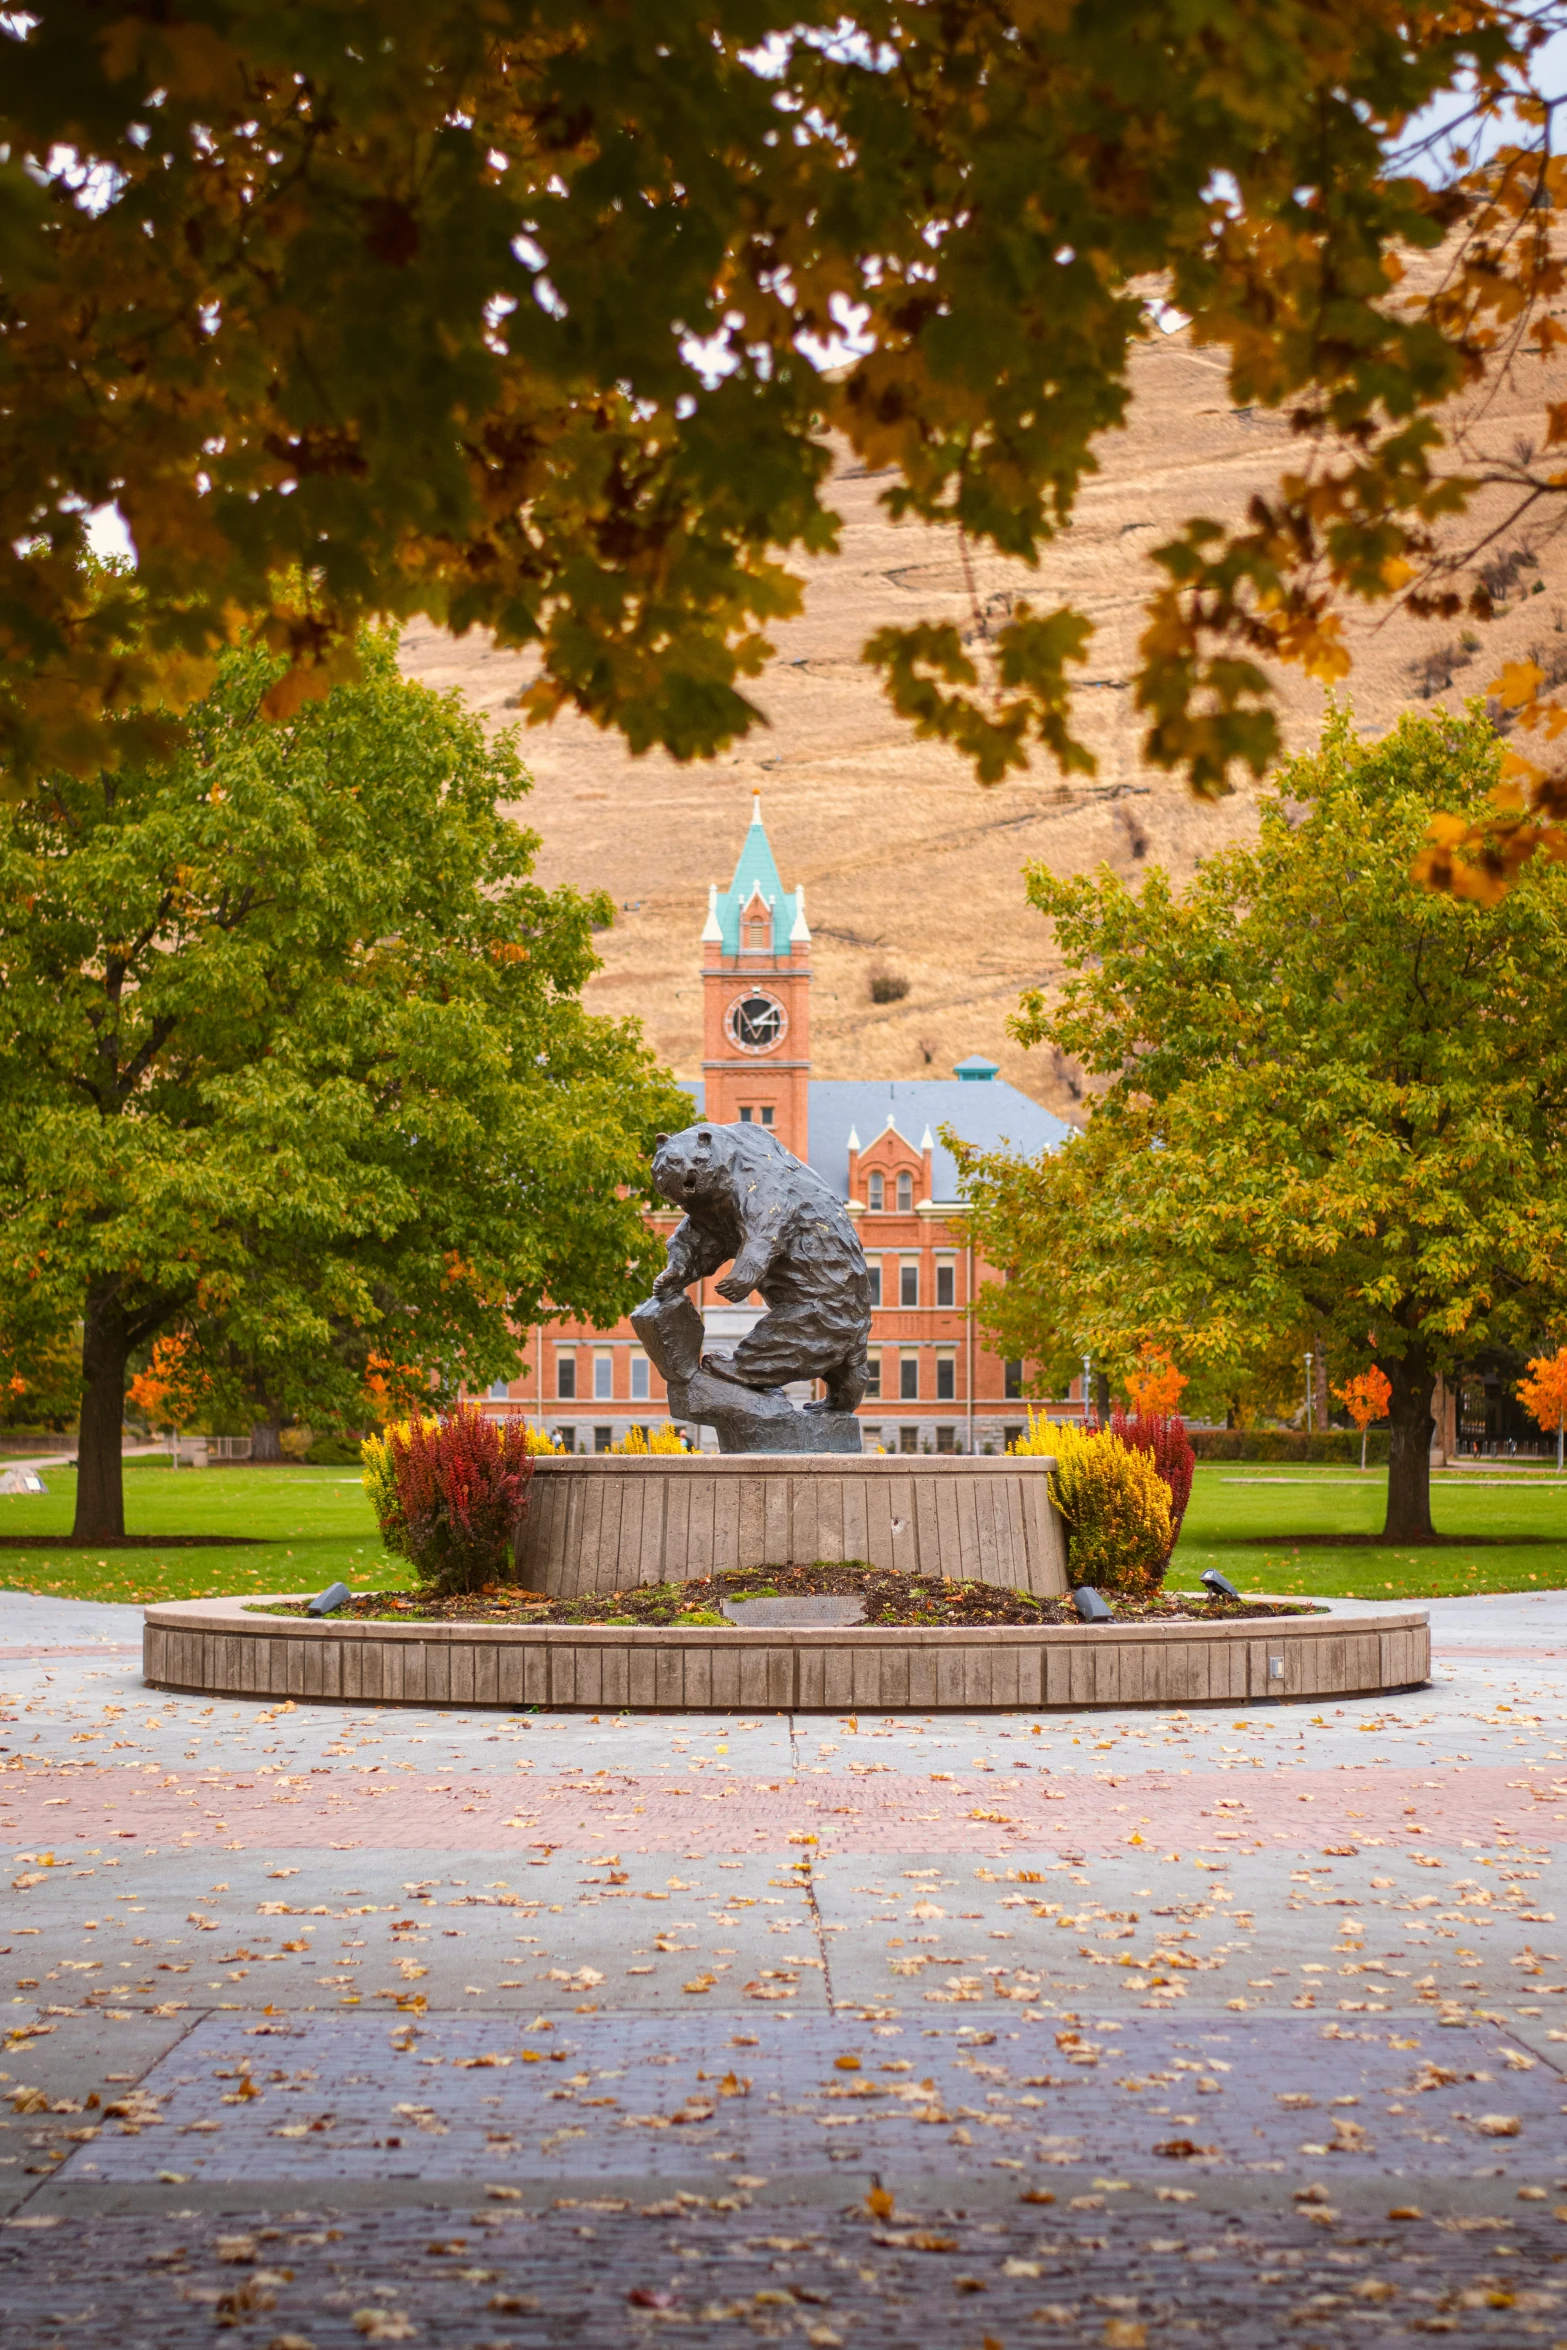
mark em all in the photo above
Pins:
pixel 991 1115
pixel 994 1115
pixel 757 873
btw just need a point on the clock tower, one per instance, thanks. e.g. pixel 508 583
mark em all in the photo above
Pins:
pixel 756 982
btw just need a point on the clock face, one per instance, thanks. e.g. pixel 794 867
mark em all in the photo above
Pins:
pixel 756 1022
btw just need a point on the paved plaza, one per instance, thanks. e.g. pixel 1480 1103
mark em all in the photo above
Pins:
pixel 330 2025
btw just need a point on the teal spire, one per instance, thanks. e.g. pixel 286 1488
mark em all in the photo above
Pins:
pixel 757 873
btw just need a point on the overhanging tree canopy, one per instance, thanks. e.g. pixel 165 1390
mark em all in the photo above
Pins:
pixel 292 1057
pixel 1329 1104
pixel 507 311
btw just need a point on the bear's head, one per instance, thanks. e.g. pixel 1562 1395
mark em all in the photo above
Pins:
pixel 694 1166
pixel 705 1165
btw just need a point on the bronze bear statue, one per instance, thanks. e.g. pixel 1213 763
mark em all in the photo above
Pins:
pixel 748 1199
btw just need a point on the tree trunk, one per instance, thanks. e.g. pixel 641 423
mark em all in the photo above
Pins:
pixel 1409 1450
pixel 264 1444
pixel 100 1487
pixel 1102 1398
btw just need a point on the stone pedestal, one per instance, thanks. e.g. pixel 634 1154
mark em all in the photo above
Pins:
pixel 611 1522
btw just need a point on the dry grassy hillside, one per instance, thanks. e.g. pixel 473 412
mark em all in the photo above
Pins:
pixel 907 864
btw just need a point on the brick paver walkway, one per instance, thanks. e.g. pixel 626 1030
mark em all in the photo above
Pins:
pixel 334 2025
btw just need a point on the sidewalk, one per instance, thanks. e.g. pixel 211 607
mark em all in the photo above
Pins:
pixel 1142 2020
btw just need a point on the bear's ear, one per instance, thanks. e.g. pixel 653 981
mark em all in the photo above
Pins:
pixel 659 1140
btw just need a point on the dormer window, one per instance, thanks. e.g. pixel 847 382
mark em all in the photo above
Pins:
pixel 878 1191
pixel 756 926
pixel 905 1192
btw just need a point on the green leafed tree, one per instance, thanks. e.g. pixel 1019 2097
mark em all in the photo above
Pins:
pixel 293 1059
pixel 1329 1108
pixel 514 312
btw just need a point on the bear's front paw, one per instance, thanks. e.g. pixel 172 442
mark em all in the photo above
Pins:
pixel 736 1291
pixel 668 1284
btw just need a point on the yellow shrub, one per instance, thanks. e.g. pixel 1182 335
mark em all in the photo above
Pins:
pixel 664 1438
pixel 1041 1436
pixel 539 1440
pixel 1115 1503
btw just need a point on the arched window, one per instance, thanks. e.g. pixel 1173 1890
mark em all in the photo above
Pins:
pixel 878 1192
pixel 905 1191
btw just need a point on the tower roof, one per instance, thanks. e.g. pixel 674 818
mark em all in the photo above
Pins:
pixel 757 874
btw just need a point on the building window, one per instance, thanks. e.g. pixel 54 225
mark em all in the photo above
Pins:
pixel 1012 1382
pixel 873 1268
pixel 566 1377
pixel 566 1437
pixel 909 1379
pixel 905 1192
pixel 746 1116
pixel 640 1391
pixel 908 1440
pixel 909 1282
pixel 603 1438
pixel 1011 1435
pixel 946 1440
pixel 603 1378
pixel 878 1193
pixel 946 1283
pixel 873 1376
pixel 500 1391
pixel 946 1378
pixel 767 1113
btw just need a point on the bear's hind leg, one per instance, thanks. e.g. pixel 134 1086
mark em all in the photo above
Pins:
pixel 846 1385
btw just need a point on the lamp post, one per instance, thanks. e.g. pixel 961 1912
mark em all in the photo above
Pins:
pixel 1308 1395
pixel 1087 1380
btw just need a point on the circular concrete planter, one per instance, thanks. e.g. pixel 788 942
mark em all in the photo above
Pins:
pixel 221 1647
pixel 609 1522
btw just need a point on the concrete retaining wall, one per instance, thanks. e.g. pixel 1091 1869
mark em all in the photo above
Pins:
pixel 221 1648
pixel 608 1523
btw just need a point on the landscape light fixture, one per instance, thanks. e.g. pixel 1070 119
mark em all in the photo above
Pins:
pixel 1091 1605
pixel 326 1602
pixel 1087 1380
pixel 1308 1395
pixel 1218 1586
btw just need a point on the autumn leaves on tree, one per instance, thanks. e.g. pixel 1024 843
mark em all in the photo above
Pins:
pixel 1328 1104
pixel 517 316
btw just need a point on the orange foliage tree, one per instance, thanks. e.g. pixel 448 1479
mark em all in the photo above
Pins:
pixel 175 1386
pixel 1365 1398
pixel 1543 1393
pixel 1155 1386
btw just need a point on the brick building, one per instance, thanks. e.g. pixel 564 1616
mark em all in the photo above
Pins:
pixel 934 1388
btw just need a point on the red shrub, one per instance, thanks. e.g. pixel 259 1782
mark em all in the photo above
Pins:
pixel 462 1486
pixel 1164 1435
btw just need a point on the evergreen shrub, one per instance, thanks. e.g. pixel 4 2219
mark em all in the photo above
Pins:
pixel 1287 1444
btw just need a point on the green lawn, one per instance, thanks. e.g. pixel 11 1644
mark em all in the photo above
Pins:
pixel 314 1525
pixel 1288 1505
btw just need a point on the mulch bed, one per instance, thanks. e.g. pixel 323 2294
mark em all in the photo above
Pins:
pixel 889 1598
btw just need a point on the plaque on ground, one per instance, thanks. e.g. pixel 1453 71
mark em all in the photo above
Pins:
pixel 798 1613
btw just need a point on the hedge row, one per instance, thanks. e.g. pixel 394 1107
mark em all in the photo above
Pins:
pixel 1287 1444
